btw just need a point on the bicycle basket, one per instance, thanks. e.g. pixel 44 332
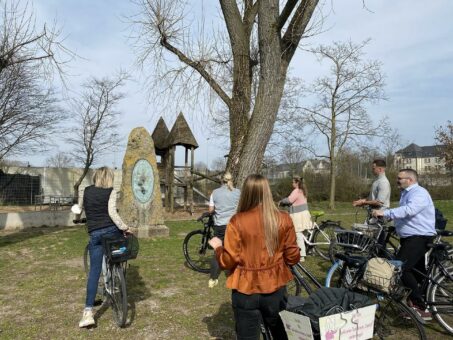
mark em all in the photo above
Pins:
pixel 383 275
pixel 120 248
pixel 353 240
pixel 369 230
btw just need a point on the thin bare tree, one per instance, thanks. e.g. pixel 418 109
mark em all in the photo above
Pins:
pixel 96 120
pixel 444 136
pixel 23 42
pixel 29 57
pixel 60 160
pixel 245 67
pixel 339 113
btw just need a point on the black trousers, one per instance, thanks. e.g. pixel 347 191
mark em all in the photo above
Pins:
pixel 412 253
pixel 249 310
pixel 219 231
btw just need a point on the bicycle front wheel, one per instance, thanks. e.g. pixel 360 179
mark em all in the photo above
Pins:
pixel 304 288
pixel 118 294
pixel 395 320
pixel 322 238
pixel 339 277
pixel 293 287
pixel 440 296
pixel 197 251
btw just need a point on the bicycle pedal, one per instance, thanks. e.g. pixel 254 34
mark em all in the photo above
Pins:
pixel 98 302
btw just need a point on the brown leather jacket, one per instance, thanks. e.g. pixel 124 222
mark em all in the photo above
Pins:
pixel 244 253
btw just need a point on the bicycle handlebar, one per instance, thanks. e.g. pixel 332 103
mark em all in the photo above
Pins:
pixel 205 215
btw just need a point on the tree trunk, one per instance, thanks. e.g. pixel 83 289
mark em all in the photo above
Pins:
pixel 79 181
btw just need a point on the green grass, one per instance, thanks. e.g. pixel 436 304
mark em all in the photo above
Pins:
pixel 42 288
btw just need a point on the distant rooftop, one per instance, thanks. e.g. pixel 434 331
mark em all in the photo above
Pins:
pixel 413 150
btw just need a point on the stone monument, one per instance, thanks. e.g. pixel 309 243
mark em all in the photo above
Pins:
pixel 140 204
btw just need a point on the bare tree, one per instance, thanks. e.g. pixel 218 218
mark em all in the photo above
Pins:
pixel 339 114
pixel 28 57
pixel 22 42
pixel 96 118
pixel 444 136
pixel 60 160
pixel 219 164
pixel 29 112
pixel 252 56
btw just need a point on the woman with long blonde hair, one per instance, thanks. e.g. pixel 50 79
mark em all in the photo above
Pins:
pixel 260 244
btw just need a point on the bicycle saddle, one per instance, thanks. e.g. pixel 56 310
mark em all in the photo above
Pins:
pixel 352 261
pixel 316 213
pixel 439 246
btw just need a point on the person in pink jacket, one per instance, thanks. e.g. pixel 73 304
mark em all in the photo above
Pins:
pixel 298 211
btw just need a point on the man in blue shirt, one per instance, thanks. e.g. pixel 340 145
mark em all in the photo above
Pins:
pixel 414 223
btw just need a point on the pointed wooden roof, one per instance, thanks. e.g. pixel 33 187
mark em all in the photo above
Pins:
pixel 181 134
pixel 160 135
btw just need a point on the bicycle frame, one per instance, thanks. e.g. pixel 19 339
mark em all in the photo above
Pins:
pixel 309 241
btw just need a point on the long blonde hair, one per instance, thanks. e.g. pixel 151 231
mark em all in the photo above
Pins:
pixel 103 178
pixel 256 191
pixel 228 180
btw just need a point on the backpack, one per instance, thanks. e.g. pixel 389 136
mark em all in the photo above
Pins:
pixel 441 221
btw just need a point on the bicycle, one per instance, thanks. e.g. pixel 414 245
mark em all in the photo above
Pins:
pixel 371 239
pixel 318 237
pixel 392 315
pixel 117 251
pixel 196 249
pixel 300 286
pixel 437 282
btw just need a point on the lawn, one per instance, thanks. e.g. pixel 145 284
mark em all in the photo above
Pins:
pixel 42 290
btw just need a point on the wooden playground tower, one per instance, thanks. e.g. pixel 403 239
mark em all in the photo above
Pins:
pixel 165 143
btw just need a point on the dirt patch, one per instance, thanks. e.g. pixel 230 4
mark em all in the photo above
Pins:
pixel 182 215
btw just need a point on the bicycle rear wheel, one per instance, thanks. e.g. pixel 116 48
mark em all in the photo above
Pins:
pixel 440 294
pixel 197 251
pixel 395 320
pixel 118 294
pixel 322 238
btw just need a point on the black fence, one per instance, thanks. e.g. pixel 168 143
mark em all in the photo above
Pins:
pixel 18 189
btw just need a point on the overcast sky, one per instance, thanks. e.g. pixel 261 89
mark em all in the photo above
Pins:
pixel 412 38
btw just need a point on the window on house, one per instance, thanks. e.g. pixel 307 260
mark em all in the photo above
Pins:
pixel 427 160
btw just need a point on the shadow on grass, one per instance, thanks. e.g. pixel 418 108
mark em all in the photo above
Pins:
pixel 30 233
pixel 136 291
pixel 221 324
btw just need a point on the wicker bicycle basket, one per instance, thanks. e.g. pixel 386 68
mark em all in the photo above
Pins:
pixel 353 239
pixel 386 278
pixel 120 249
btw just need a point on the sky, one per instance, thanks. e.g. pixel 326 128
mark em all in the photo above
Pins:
pixel 412 38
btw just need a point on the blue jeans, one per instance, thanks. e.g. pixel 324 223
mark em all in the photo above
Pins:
pixel 96 253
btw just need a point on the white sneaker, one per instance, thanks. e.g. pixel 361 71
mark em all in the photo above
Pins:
pixel 212 283
pixel 87 319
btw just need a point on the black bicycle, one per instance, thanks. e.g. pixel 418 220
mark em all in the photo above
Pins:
pixel 374 238
pixel 117 251
pixel 196 249
pixel 304 283
pixel 393 316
